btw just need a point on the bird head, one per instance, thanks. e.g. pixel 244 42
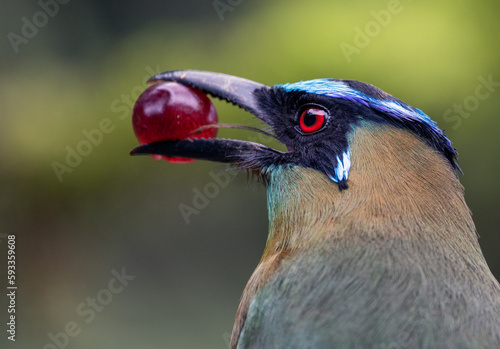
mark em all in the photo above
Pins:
pixel 316 120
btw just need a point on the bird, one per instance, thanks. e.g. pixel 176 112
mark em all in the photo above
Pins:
pixel 371 243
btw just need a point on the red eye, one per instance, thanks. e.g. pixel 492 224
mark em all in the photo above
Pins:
pixel 312 119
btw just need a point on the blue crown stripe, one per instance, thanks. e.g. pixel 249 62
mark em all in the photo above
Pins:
pixel 337 89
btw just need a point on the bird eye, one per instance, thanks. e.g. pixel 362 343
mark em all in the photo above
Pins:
pixel 312 119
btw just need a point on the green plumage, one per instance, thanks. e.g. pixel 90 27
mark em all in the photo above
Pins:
pixel 384 296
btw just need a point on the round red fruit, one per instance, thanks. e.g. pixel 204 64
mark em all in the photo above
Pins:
pixel 171 111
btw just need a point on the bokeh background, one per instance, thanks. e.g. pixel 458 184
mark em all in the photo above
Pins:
pixel 67 67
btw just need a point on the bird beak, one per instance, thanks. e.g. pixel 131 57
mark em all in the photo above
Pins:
pixel 235 90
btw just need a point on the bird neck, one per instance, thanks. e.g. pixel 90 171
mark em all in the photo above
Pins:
pixel 399 187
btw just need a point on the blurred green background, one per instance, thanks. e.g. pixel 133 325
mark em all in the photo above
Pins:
pixel 68 67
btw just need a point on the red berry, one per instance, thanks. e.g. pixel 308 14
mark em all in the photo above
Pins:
pixel 171 111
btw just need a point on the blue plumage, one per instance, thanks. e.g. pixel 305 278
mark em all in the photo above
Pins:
pixel 338 89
